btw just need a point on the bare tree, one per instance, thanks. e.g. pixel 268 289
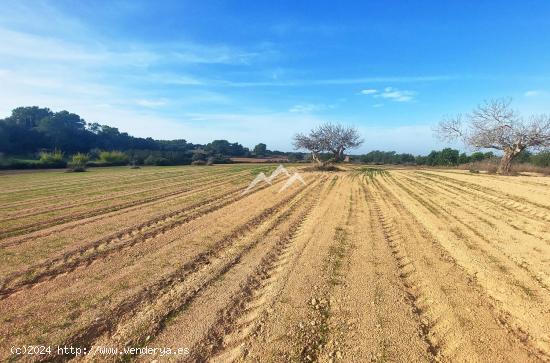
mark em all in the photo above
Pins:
pixel 310 143
pixel 330 138
pixel 495 125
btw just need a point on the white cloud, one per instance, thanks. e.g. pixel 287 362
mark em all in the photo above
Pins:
pixel 390 93
pixel 377 105
pixel 397 95
pixel 532 93
pixel 369 91
pixel 309 108
pixel 151 103
pixel 328 82
pixel 42 48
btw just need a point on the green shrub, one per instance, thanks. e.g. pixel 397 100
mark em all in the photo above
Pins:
pixel 52 159
pixel 541 159
pixel 156 160
pixel 218 159
pixel 79 161
pixel 8 164
pixel 113 157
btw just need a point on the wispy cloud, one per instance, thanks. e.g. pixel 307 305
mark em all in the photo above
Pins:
pixel 396 95
pixel 390 93
pixel 309 108
pixel 326 82
pixel 151 103
pixel 369 91
pixel 28 46
pixel 532 93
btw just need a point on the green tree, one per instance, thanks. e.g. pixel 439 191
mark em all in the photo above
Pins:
pixel 477 156
pixel 432 158
pixel 541 159
pixel 448 156
pixel 260 149
pixel 463 159
pixel 65 130
pixel 28 117
pixel 524 157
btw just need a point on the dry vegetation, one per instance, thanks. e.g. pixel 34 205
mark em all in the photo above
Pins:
pixel 359 265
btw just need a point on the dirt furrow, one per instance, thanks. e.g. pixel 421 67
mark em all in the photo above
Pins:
pixel 527 251
pixel 373 318
pixel 285 328
pixel 105 246
pixel 490 208
pixel 15 231
pixel 72 182
pixel 244 320
pixel 84 189
pixel 324 340
pixel 449 282
pixel 82 201
pixel 108 321
pixel 214 312
pixel 74 222
pixel 530 187
pixel 512 202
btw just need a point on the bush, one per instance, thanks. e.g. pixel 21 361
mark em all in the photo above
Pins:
pixel 79 161
pixel 52 159
pixel 8 164
pixel 156 160
pixel 198 162
pixel 541 159
pixel 322 167
pixel 113 157
pixel 218 159
pixel 492 169
pixel 163 157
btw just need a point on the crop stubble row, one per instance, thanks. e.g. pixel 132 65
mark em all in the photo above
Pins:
pixel 399 265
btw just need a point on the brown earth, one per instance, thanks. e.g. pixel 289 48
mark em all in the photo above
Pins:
pixel 356 266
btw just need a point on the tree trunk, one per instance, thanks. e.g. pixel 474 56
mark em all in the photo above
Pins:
pixel 506 162
pixel 341 154
pixel 508 157
pixel 315 157
pixel 338 154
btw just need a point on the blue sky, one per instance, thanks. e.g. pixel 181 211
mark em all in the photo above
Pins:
pixel 260 71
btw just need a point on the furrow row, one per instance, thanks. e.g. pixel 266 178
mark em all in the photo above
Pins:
pixel 108 323
pixel 105 246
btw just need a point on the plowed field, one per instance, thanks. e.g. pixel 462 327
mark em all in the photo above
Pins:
pixel 358 265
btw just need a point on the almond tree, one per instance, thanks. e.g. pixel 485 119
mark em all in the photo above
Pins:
pixel 495 125
pixel 330 138
pixel 311 143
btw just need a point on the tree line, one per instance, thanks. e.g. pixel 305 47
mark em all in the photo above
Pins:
pixel 38 137
pixel 449 157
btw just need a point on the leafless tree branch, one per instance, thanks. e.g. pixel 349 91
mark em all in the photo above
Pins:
pixel 495 125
